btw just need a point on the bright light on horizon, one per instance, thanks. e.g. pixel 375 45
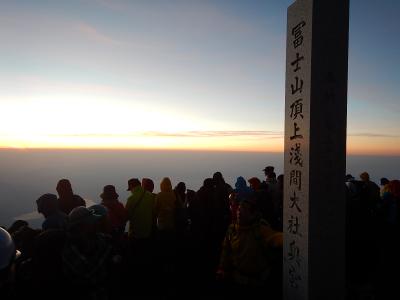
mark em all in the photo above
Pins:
pixel 192 75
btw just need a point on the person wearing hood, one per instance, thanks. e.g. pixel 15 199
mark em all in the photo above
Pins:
pixel 117 213
pixel 165 212
pixel 384 186
pixel 221 207
pixel 242 190
pixel 148 185
pixel 54 218
pixel 181 218
pixel 166 207
pixel 67 200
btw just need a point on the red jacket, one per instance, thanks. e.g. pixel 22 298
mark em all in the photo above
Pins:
pixel 117 213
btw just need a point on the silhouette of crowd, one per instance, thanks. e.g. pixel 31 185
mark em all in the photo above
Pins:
pixel 372 237
pixel 218 241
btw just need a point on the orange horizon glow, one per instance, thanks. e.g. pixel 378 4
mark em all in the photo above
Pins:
pixel 382 146
pixel 141 142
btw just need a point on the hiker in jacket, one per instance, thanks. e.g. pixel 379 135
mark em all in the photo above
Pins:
pixel 249 249
pixel 116 211
pixel 166 207
pixel 140 209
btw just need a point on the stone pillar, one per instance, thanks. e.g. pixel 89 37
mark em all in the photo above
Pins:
pixel 315 150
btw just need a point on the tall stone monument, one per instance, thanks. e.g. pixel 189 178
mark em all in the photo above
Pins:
pixel 315 150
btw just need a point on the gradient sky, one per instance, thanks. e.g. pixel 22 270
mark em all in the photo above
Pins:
pixel 178 74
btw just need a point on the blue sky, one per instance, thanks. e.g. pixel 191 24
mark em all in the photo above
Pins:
pixel 178 66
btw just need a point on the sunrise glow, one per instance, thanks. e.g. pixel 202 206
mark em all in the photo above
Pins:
pixel 199 76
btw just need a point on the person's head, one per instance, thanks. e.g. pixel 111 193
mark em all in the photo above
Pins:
pixel 47 204
pixel 254 183
pixel 17 225
pixel 83 221
pixel 148 184
pixel 268 169
pixel 8 253
pixel 166 185
pixel 24 240
pixel 181 188
pixel 384 181
pixel 248 212
pixel 271 176
pixel 64 188
pixel 218 178
pixel 208 183
pixel 109 194
pixel 349 177
pixel 364 177
pixel 240 183
pixel 132 183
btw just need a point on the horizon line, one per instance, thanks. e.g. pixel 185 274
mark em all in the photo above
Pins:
pixel 2 148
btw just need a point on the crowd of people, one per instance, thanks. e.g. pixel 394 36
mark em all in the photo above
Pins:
pixel 372 237
pixel 220 241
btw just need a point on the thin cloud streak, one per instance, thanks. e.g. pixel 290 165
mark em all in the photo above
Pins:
pixel 183 134
pixel 212 134
pixel 94 34
pixel 221 133
pixel 373 135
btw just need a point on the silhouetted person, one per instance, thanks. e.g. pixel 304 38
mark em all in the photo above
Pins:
pixel 269 173
pixel 221 206
pixel 166 207
pixel 180 191
pixel 67 201
pixel 384 186
pixel 242 190
pixel 47 205
pixel 17 225
pixel 141 215
pixel 208 238
pixel 117 213
pixel 180 209
pixel 47 278
pixel 264 201
pixel 251 250
pixel 86 256
pixel 370 195
pixel 148 184
pixel 389 262
pixel 140 209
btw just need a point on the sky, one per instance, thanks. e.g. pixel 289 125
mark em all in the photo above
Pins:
pixel 178 75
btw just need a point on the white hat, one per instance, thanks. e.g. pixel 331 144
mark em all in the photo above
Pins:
pixel 7 249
